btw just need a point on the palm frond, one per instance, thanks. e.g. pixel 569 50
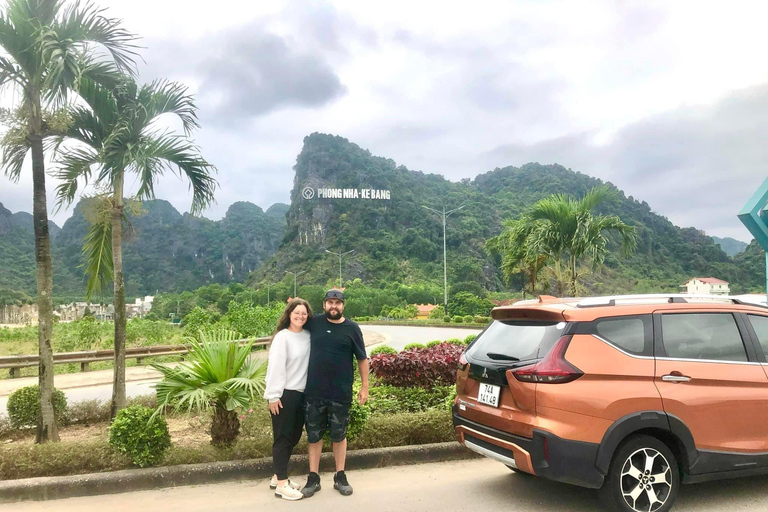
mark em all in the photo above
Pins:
pixel 74 165
pixel 159 152
pixel 595 197
pixel 97 253
pixel 14 152
pixel 166 97
pixel 81 24
pixel 217 371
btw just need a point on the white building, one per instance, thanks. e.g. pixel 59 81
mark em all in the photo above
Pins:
pixel 706 286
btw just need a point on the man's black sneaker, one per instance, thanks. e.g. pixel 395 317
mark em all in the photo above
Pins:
pixel 312 486
pixel 340 483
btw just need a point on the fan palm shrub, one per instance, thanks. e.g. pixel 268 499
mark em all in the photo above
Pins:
pixel 218 374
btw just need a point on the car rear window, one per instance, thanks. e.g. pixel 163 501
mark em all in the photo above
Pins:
pixel 516 340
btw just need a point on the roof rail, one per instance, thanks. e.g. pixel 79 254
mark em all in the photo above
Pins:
pixel 672 298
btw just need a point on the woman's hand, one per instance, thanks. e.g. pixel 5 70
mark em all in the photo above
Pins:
pixel 274 407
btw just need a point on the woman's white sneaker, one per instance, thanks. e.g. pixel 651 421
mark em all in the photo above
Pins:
pixel 287 492
pixel 273 484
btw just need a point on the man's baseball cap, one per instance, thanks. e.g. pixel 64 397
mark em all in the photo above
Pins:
pixel 334 294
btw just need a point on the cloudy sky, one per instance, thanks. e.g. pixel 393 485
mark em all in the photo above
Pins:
pixel 666 100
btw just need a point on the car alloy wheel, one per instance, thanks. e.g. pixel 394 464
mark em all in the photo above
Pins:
pixel 646 480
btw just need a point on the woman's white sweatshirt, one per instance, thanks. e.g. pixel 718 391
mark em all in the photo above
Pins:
pixel 288 363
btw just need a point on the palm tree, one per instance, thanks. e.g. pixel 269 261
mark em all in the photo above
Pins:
pixel 517 255
pixel 117 134
pixel 47 50
pixel 218 374
pixel 559 227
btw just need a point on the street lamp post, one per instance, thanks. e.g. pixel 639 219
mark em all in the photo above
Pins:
pixel 445 215
pixel 295 274
pixel 340 255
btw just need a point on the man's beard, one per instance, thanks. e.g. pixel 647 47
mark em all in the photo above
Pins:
pixel 333 314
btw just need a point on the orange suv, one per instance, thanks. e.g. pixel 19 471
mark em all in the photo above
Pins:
pixel 632 395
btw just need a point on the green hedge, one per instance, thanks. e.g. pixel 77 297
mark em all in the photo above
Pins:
pixel 394 400
pixel 382 349
pixel 22 460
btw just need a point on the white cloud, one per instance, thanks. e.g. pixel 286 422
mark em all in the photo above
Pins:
pixel 440 88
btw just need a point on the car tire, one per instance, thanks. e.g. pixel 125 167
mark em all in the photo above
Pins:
pixel 643 477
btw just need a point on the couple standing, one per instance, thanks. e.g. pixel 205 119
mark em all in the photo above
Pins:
pixel 309 382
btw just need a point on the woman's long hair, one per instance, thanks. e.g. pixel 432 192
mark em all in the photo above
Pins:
pixel 285 318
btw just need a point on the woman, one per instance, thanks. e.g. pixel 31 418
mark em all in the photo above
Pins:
pixel 286 378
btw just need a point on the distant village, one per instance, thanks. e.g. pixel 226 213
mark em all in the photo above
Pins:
pixel 27 314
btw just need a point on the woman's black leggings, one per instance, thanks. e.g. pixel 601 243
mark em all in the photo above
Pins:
pixel 286 428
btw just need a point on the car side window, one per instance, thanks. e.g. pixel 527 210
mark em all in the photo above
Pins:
pixel 627 333
pixel 705 336
pixel 760 325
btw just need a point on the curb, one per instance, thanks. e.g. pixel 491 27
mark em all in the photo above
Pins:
pixel 130 480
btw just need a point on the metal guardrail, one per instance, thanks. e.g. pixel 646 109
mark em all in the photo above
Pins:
pixel 85 358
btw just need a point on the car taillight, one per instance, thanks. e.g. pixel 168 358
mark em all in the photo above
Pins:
pixel 553 369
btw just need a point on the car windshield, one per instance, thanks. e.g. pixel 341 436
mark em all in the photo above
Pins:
pixel 515 341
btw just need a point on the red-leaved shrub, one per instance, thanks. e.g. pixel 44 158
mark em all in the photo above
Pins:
pixel 426 367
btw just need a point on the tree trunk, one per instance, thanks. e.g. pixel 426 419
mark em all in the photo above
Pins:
pixel 574 276
pixel 225 427
pixel 118 383
pixel 46 421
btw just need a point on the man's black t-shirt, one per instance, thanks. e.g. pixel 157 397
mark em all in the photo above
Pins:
pixel 332 349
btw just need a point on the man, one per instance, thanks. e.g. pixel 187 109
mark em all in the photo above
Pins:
pixel 334 342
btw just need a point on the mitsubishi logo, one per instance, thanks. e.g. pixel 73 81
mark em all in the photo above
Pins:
pixel 485 373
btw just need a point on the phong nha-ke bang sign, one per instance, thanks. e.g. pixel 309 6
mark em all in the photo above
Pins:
pixel 345 193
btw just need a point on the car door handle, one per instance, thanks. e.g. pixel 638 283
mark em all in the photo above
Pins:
pixel 676 377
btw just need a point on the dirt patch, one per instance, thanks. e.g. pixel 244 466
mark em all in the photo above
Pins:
pixel 184 432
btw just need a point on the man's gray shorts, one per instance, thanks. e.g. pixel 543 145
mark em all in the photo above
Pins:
pixel 321 415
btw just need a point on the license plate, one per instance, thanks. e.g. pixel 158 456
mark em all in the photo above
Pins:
pixel 488 394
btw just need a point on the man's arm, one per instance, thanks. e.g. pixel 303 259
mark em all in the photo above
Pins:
pixel 362 395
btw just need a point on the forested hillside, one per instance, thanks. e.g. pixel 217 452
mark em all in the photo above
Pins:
pixel 164 250
pixel 398 240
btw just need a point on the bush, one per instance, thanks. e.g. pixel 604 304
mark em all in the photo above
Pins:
pixel 24 403
pixel 468 319
pixel 87 412
pixel 469 339
pixel 479 319
pixel 447 319
pixel 394 400
pixel 433 343
pixel 382 349
pixel 414 346
pixel 139 435
pixel 434 426
pixel 358 417
pixel 458 319
pixel 455 341
pixel 425 368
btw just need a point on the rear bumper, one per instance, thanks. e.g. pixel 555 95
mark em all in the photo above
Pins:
pixel 544 455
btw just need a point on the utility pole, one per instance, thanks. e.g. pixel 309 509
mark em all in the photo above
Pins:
pixel 445 215
pixel 340 255
pixel 295 274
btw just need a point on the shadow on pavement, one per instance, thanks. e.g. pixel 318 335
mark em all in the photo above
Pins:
pixel 529 493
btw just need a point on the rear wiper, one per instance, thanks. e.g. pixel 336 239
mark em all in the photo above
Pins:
pixel 501 357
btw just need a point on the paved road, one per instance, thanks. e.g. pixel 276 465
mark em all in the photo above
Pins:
pixel 398 337
pixel 98 384
pixel 481 485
